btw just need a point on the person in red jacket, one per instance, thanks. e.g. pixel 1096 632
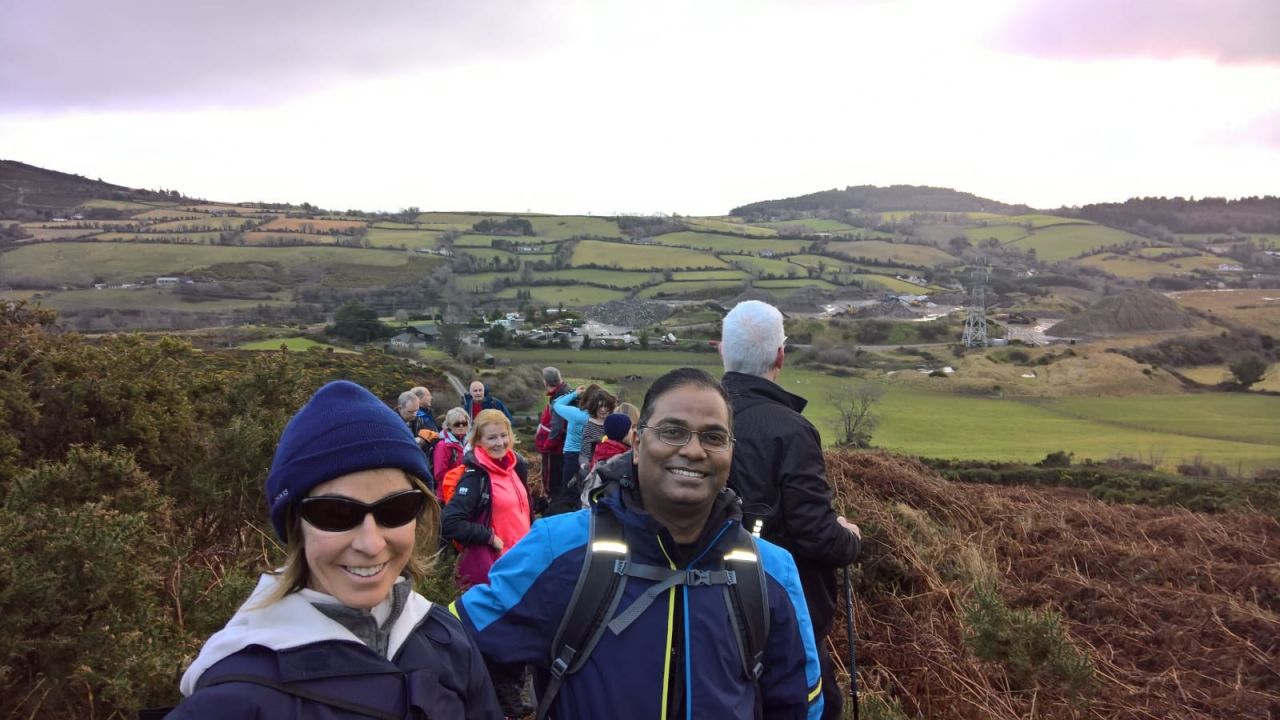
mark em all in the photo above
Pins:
pixel 617 430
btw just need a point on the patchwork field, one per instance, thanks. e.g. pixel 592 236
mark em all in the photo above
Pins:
pixel 148 298
pixel 1000 233
pixel 727 243
pixel 729 226
pixel 1255 308
pixel 678 289
pixel 408 238
pixel 570 295
pixel 1063 242
pixel 202 222
pixel 311 225
pixel 1139 268
pixel 87 262
pixel 641 257
pixel 768 266
pixel 918 255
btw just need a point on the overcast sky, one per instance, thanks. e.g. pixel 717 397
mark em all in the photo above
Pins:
pixel 607 106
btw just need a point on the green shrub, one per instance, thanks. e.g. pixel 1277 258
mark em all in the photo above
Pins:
pixel 1031 647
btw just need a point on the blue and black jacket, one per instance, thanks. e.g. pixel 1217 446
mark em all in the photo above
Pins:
pixel 679 659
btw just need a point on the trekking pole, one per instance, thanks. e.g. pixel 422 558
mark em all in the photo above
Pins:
pixel 853 656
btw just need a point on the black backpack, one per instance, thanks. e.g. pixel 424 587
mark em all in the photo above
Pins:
pixel 605 570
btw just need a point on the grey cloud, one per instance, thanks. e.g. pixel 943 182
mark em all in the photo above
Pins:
pixel 1226 31
pixel 59 54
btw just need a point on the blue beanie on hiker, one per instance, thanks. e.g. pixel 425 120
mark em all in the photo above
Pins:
pixel 342 429
pixel 616 426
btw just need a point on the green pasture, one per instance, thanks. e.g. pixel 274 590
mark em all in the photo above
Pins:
pixel 488 254
pixel 120 204
pixel 408 237
pixel 146 298
pixel 387 225
pixel 729 226
pixel 1138 268
pixel 727 243
pixel 1039 221
pixel 458 220
pixel 201 222
pixel 1221 416
pixel 767 266
pixel 484 241
pixel 193 238
pixel 627 256
pixel 1260 240
pixel 481 282
pixel 83 263
pixel 60 233
pixel 793 284
pixel 166 214
pixel 563 227
pixel 1214 374
pixel 616 278
pixel 296 344
pixel 1063 242
pixel 1168 429
pixel 946 217
pixel 737 275
pixel 918 255
pixel 1156 251
pixel 1000 233
pixel 892 284
pixel 570 295
pixel 680 289
pixel 811 225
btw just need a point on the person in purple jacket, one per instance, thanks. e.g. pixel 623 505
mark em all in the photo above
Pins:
pixel 338 631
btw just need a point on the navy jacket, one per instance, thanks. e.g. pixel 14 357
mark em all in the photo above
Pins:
pixel 679 659
pixel 435 671
pixel 490 403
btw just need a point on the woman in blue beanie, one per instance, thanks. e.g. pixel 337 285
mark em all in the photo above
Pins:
pixel 338 631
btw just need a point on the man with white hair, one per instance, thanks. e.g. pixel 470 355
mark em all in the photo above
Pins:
pixel 779 471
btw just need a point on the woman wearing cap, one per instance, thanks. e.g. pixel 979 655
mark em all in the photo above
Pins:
pixel 338 631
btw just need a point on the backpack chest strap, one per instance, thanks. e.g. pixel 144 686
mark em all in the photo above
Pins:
pixel 665 579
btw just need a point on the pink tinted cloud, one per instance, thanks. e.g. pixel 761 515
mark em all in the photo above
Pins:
pixel 1226 31
pixel 130 54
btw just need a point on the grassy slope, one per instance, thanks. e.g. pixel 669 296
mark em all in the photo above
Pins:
pixel 1062 242
pixel 640 257
pixel 922 255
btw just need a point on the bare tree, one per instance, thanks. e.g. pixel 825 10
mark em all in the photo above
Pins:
pixel 855 404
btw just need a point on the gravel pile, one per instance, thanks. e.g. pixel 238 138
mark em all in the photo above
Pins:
pixel 629 313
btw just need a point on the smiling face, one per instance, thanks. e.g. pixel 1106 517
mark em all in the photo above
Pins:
pixel 494 439
pixel 359 566
pixel 477 391
pixel 682 480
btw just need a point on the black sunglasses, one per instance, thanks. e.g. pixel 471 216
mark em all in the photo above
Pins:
pixel 339 514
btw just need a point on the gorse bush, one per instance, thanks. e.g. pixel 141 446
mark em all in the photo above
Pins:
pixel 1031 647
pixel 131 503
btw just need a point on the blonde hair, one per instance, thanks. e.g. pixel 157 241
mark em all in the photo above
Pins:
pixel 630 411
pixel 483 419
pixel 295 574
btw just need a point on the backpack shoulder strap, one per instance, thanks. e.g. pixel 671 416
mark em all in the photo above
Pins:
pixel 748 602
pixel 594 599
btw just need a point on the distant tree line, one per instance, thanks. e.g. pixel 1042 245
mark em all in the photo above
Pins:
pixel 510 226
pixel 1183 215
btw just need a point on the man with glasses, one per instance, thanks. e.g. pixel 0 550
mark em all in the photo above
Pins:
pixel 780 473
pixel 668 642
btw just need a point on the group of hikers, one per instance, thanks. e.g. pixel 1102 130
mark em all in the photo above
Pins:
pixel 683 564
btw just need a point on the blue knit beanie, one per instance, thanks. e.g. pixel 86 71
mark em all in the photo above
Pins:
pixel 342 429
pixel 616 426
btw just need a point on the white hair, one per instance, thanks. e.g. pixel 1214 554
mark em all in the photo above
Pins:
pixel 751 337
pixel 405 398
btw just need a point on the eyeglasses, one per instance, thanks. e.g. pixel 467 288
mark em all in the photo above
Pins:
pixel 711 440
pixel 339 514
pixel 464 423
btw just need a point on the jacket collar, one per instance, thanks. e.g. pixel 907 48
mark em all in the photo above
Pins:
pixel 746 386
pixel 291 622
